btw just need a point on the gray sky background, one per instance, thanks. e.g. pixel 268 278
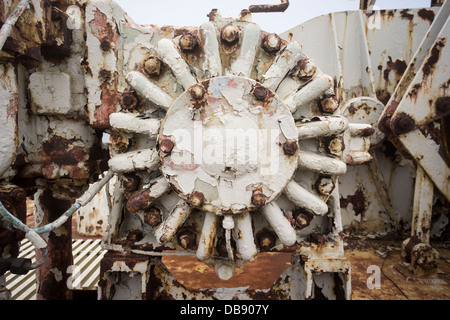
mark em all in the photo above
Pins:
pixel 193 12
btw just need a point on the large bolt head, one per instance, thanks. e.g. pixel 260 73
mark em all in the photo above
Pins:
pixel 329 104
pixel 152 216
pixel 166 145
pixel 258 198
pixel 197 91
pixel 325 185
pixel 152 66
pixel 290 147
pixel 271 43
pixel 188 42
pixel 230 35
pixel 197 199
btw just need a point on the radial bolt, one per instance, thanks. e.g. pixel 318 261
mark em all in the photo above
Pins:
pixel 290 147
pixel 424 256
pixel 325 185
pixel 152 216
pixel 443 106
pixel 266 240
pixel 105 74
pixel 166 145
pixel 230 35
pixel 402 123
pixel 197 92
pixel 302 219
pixel 336 146
pixel 128 100
pixel 197 199
pixel 271 43
pixel 152 66
pixel 105 45
pixel 188 42
pixel 258 198
pixel 186 239
pixel 260 93
pixel 329 104
pixel 130 183
pixel 305 68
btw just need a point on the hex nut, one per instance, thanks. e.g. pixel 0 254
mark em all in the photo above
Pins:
pixel 188 42
pixel 329 104
pixel 325 185
pixel 166 145
pixel 197 91
pixel 197 199
pixel 129 100
pixel 258 198
pixel 260 93
pixel 230 35
pixel 152 66
pixel 290 147
pixel 271 43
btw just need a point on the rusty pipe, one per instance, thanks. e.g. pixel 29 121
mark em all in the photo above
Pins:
pixel 282 7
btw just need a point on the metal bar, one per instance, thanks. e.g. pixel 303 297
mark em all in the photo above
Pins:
pixel 423 206
pixel 270 7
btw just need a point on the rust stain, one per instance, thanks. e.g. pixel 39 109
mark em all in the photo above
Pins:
pixel 101 28
pixel 426 14
pixel 358 201
pixel 399 67
pixel 430 63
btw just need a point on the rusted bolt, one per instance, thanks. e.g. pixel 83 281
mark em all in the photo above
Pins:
pixel 152 216
pixel 336 146
pixel 424 256
pixel 266 239
pixel 166 145
pixel 402 123
pixel 329 104
pixel 128 100
pixel 130 182
pixel 197 199
pixel 304 68
pixel 120 142
pixel 258 198
pixel 186 238
pixel 290 147
pixel 271 43
pixel 302 219
pixel 152 66
pixel 197 91
pixel 260 92
pixel 325 185
pixel 230 35
pixel 105 74
pixel 188 42
pixel 443 106
pixel 105 45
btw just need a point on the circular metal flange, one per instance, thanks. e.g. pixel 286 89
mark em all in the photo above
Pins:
pixel 228 145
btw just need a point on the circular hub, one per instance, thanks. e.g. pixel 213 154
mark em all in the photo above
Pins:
pixel 233 145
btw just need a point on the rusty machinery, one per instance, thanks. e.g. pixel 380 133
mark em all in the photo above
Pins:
pixel 225 141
